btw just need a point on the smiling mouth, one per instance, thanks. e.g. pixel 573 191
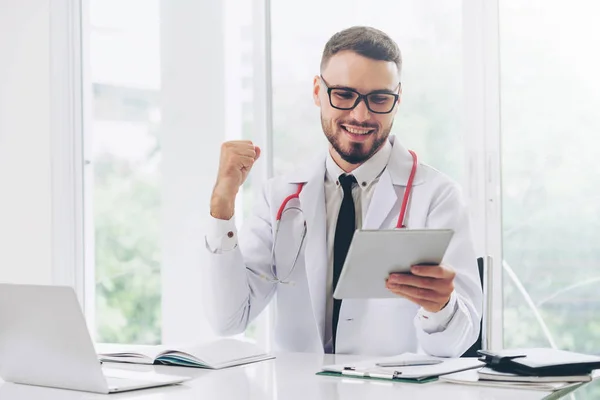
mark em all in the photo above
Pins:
pixel 355 130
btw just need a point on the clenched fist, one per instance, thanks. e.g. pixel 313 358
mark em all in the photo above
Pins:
pixel 237 159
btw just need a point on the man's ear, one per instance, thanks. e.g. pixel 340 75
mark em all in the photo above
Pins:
pixel 316 89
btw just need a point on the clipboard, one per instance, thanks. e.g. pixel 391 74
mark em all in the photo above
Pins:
pixel 375 254
pixel 369 369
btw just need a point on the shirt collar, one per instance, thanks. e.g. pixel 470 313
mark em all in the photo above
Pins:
pixel 367 172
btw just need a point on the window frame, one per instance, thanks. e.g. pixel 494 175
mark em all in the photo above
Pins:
pixel 67 168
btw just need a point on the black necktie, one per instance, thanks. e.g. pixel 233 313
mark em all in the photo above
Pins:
pixel 344 230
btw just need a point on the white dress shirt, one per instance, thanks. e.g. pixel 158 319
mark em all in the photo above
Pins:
pixel 222 235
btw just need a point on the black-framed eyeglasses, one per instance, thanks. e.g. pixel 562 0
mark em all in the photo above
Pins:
pixel 345 98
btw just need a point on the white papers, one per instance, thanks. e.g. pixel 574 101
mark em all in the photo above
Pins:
pixel 472 378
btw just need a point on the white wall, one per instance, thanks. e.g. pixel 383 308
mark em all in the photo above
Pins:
pixel 25 183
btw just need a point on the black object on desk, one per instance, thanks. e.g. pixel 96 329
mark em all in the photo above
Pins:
pixel 478 345
pixel 540 362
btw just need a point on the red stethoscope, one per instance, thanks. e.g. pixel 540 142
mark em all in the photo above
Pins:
pixel 282 209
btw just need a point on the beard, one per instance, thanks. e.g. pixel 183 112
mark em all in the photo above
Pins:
pixel 354 153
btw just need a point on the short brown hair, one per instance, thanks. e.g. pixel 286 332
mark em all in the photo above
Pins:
pixel 366 41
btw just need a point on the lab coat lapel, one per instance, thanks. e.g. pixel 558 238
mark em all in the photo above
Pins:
pixel 382 203
pixel 388 193
pixel 312 202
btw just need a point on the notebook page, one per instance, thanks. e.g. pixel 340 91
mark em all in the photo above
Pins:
pixel 216 354
pixel 128 353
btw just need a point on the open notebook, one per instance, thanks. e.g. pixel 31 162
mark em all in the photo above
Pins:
pixel 217 354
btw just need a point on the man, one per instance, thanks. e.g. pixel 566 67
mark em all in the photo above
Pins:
pixel 359 182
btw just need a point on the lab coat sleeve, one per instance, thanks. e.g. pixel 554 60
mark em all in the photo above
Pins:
pixel 432 322
pixel 448 210
pixel 222 235
pixel 233 294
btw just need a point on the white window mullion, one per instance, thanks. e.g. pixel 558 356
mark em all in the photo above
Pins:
pixel 491 47
pixel 482 130
pixel 263 127
pixel 89 250
pixel 67 146
pixel 193 126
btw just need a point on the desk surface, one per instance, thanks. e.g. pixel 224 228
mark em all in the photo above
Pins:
pixel 289 376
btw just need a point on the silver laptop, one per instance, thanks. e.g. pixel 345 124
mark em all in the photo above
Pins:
pixel 44 341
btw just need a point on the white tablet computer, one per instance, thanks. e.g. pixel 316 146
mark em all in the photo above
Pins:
pixel 374 254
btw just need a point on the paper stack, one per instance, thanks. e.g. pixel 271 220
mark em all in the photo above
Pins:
pixel 489 377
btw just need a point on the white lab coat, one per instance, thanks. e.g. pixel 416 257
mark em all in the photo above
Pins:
pixel 379 327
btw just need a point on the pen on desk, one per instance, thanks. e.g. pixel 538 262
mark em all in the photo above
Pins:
pixel 408 363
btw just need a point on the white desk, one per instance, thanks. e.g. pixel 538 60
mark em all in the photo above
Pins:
pixel 288 377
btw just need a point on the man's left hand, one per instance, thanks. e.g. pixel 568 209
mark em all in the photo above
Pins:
pixel 429 286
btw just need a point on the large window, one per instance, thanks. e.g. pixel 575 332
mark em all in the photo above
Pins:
pixel 128 197
pixel 161 106
pixel 550 92
pixel 125 74
pixel 165 93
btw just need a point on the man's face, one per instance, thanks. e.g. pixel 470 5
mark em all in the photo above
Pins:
pixel 356 134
